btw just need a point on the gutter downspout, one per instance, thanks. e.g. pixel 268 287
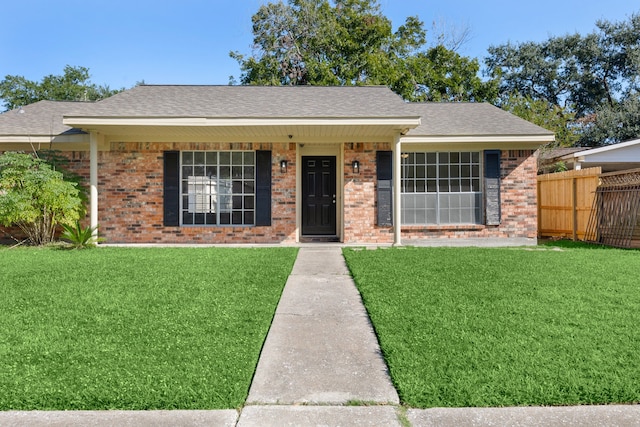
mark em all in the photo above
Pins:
pixel 397 187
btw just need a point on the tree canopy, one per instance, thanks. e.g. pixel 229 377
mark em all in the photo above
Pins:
pixel 350 42
pixel 595 77
pixel 73 85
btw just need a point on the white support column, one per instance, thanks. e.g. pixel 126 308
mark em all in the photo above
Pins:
pixel 397 188
pixel 93 181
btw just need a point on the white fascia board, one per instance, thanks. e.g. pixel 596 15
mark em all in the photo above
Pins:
pixel 582 154
pixel 396 122
pixel 39 139
pixel 488 139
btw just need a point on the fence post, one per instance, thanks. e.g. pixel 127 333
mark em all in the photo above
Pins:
pixel 574 208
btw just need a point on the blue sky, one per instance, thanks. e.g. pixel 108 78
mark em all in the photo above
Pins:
pixel 188 41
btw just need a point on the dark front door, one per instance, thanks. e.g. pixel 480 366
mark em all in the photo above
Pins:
pixel 318 195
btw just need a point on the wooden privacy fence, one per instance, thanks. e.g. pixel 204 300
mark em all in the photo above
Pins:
pixel 565 200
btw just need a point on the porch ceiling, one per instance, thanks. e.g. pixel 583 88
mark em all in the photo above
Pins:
pixel 249 130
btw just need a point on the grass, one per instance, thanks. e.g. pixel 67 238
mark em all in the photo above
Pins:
pixel 464 327
pixel 143 328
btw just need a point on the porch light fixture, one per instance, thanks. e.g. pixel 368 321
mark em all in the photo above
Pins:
pixel 283 166
pixel 356 167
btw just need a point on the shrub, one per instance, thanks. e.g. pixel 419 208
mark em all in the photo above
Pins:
pixel 79 236
pixel 36 198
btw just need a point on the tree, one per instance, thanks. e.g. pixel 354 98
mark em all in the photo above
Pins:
pixel 589 75
pixel 73 85
pixel 350 42
pixel 35 198
pixel 611 124
pixel 544 114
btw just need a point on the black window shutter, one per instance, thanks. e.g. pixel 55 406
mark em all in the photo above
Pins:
pixel 492 187
pixel 384 172
pixel 171 192
pixel 263 187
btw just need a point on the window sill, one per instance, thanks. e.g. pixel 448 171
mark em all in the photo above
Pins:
pixel 444 227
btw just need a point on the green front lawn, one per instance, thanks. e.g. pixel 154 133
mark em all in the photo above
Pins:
pixel 505 326
pixel 161 328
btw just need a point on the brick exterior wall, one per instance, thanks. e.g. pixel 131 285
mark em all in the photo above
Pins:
pixel 131 197
pixel 130 202
pixel 360 201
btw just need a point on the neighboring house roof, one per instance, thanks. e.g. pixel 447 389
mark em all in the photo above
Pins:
pixel 556 154
pixel 39 120
pixel 624 155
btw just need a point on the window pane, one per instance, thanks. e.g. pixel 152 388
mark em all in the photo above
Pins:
pixel 236 217
pixel 212 158
pixel 198 158
pixel 443 171
pixel 237 202
pixel 187 158
pixel 465 157
pixel 421 158
pixel 225 158
pixel 248 202
pixel 431 172
pixel 248 158
pixel 248 217
pixel 225 172
pixel 420 171
pixel 454 158
pixel 236 158
pixel 420 186
pixel 475 157
pixel 431 158
pixel 443 158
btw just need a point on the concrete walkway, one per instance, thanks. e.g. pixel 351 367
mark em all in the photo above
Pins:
pixel 320 352
pixel 321 366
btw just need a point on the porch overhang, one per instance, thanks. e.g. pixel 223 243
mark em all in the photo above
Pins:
pixel 247 129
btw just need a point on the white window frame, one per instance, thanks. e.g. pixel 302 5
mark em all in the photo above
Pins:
pixel 213 195
pixel 418 201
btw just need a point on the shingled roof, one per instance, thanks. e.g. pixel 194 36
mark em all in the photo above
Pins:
pixel 43 118
pixel 251 102
pixel 469 119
